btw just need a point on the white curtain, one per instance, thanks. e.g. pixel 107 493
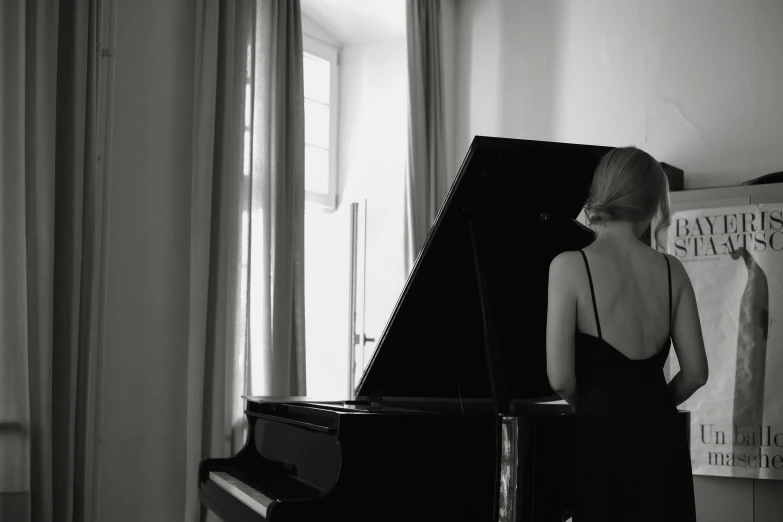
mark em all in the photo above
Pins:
pixel 247 329
pixel 53 181
pixel 431 46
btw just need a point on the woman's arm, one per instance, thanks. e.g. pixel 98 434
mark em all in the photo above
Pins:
pixel 560 326
pixel 687 337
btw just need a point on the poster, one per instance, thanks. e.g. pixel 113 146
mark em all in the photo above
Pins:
pixel 734 258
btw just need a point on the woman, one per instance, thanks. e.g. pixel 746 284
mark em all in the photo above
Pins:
pixel 614 309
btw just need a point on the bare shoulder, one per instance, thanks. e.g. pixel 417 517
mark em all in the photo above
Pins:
pixel 564 261
pixel 673 261
pixel 564 265
pixel 681 282
pixel 679 274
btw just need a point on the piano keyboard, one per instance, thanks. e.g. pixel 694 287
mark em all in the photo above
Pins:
pixel 252 498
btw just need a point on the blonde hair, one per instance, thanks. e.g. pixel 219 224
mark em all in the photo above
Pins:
pixel 629 185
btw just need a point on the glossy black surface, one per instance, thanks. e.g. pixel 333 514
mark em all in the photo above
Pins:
pixel 360 463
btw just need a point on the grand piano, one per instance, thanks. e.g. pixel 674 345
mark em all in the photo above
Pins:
pixel 454 417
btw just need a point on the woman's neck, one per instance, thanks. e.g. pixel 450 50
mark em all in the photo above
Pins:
pixel 618 231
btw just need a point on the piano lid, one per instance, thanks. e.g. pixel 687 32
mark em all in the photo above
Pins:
pixel 528 195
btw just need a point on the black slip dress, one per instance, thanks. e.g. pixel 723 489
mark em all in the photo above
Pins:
pixel 632 453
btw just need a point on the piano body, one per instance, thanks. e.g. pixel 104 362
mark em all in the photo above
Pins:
pixel 454 417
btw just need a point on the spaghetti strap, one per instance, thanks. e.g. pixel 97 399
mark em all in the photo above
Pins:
pixel 592 294
pixel 669 272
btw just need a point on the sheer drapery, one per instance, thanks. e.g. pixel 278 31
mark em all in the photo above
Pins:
pixel 246 333
pixel 52 234
pixel 426 176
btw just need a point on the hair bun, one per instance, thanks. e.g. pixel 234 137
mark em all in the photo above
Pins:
pixel 598 212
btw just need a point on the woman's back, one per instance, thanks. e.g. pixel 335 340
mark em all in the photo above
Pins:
pixel 632 296
pixel 625 408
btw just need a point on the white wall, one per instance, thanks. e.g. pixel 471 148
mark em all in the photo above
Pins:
pixel 312 28
pixel 372 156
pixel 695 83
pixel 698 84
pixel 505 61
pixel 142 467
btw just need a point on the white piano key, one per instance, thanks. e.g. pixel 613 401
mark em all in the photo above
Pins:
pixel 249 496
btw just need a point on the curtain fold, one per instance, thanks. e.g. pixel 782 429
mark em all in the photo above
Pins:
pixel 426 177
pixel 276 247
pixel 246 333
pixel 52 224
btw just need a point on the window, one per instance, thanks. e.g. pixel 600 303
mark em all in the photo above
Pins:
pixel 320 93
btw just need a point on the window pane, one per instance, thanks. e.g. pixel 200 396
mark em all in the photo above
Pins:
pixel 316 78
pixel 317 124
pixel 316 169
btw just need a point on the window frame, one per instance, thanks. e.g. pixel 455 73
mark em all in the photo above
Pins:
pixel 331 53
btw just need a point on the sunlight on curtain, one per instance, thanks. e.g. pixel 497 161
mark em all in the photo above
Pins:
pixel 217 355
pixel 247 222
pixel 276 233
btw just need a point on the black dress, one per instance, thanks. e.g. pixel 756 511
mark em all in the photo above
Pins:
pixel 632 454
